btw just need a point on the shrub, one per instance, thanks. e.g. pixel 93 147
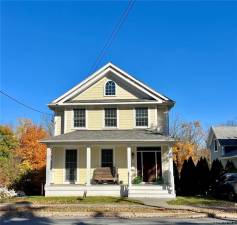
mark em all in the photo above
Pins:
pixel 137 180
pixel 230 167
pixel 5 193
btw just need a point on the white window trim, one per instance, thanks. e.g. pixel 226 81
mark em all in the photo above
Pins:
pixel 117 113
pixel 107 147
pixel 64 163
pixel 86 116
pixel 105 89
pixel 134 118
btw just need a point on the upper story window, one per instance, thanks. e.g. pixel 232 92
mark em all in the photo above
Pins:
pixel 141 117
pixel 79 118
pixel 110 88
pixel 215 146
pixel 111 117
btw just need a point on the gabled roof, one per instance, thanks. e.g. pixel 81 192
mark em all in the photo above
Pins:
pixel 82 86
pixel 225 132
pixel 226 135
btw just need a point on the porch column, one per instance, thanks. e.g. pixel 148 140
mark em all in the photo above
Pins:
pixel 129 166
pixel 171 170
pixel 48 166
pixel 88 166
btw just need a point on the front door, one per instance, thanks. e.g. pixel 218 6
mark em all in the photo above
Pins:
pixel 149 167
pixel 149 164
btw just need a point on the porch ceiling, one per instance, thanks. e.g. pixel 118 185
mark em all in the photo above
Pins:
pixel 82 136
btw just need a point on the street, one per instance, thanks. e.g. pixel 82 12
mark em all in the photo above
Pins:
pixel 108 221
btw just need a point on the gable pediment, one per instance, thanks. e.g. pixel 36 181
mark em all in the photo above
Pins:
pixel 123 90
pixel 127 88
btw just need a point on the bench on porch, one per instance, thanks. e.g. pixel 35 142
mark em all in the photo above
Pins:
pixel 105 175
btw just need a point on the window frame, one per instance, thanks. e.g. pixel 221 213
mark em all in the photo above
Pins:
pixel 77 167
pixel 215 145
pixel 117 120
pixel 115 88
pixel 79 128
pixel 113 154
pixel 135 117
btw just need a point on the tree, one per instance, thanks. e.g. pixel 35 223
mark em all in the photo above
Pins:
pixel 202 173
pixel 230 167
pixel 188 178
pixel 190 141
pixel 8 141
pixel 215 173
pixel 176 178
pixel 30 150
pixel 11 167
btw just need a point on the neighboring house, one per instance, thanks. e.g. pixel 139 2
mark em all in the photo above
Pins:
pixel 110 120
pixel 222 142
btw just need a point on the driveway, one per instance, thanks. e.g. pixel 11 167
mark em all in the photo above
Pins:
pixel 108 221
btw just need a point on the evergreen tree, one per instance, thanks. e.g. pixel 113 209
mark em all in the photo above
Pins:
pixel 215 173
pixel 202 175
pixel 230 167
pixel 176 178
pixel 188 178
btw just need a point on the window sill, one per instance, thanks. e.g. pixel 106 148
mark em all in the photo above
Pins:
pixel 79 128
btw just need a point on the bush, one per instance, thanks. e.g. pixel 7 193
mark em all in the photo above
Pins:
pixel 5 193
pixel 230 167
pixel 137 180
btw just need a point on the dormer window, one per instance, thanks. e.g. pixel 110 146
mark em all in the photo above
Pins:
pixel 110 88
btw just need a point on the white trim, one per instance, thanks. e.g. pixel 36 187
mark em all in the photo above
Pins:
pixel 106 140
pixel 88 166
pixel 105 89
pixel 122 74
pixel 107 147
pixel 48 166
pixel 129 165
pixel 105 103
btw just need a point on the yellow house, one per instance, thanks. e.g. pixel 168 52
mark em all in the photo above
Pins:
pixel 111 138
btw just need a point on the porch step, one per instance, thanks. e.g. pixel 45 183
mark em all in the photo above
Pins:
pixel 148 191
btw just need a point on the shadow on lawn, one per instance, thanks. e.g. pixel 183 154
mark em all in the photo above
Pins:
pixel 22 213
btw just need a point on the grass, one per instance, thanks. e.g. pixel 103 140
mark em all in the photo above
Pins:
pixel 72 200
pixel 199 201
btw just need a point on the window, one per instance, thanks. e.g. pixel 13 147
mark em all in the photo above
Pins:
pixel 141 117
pixel 107 157
pixel 111 117
pixel 215 146
pixel 71 165
pixel 79 118
pixel 110 88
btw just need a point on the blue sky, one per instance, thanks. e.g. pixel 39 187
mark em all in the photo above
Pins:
pixel 185 50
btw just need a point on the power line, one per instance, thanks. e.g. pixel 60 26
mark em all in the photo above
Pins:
pixel 112 36
pixel 23 104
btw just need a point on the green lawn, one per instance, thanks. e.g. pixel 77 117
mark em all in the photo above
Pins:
pixel 195 201
pixel 72 200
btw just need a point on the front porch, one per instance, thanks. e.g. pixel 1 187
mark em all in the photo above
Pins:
pixel 129 160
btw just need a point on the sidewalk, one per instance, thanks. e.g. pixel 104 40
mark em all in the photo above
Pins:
pixel 212 211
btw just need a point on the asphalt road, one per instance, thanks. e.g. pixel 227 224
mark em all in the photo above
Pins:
pixel 109 221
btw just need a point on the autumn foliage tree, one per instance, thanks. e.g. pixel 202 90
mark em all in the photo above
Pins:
pixel 32 153
pixel 30 150
pixel 190 141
